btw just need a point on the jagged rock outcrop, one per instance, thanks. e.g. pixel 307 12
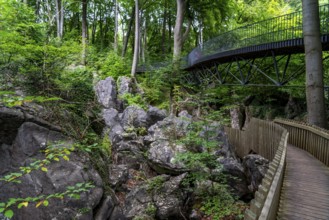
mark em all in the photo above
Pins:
pixel 106 92
pixel 25 147
pixel 134 117
pixel 163 139
pixel 161 198
pixel 236 177
pixel 255 167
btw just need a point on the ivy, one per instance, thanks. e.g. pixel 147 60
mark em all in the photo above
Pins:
pixel 53 153
pixel 43 200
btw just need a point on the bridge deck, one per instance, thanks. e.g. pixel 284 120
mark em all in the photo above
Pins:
pixel 305 191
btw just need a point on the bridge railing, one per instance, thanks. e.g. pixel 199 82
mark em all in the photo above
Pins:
pixel 281 28
pixel 310 138
pixel 270 141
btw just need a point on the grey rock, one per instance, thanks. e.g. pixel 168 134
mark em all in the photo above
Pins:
pixel 137 202
pixel 154 115
pixel 256 167
pixel 30 139
pixel 164 147
pixel 161 156
pixel 170 199
pixel 235 176
pixel 112 121
pixel 124 85
pixel 10 121
pixel 165 199
pixel 171 128
pixel 12 118
pixel 184 114
pixel 119 174
pixel 130 153
pixel 134 117
pixel 106 209
pixel 111 117
pixel 106 93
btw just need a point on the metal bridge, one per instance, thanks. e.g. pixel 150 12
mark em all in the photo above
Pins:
pixel 256 54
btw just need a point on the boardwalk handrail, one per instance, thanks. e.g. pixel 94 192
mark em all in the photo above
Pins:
pixel 270 141
pixel 310 138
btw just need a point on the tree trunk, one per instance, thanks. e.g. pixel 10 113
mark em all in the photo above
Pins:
pixel 84 31
pixel 94 25
pixel 125 45
pixel 164 23
pixel 136 44
pixel 313 60
pixel 178 31
pixel 116 28
pixel 59 18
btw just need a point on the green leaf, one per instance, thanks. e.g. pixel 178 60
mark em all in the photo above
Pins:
pixel 75 196
pixel 66 158
pixel 38 204
pixel 44 169
pixel 1 210
pixel 20 205
pixel 2 204
pixel 9 213
pixel 45 203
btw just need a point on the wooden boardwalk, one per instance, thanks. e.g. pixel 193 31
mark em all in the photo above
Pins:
pixel 305 190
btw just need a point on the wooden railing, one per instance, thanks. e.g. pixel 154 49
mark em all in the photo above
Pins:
pixel 270 141
pixel 310 138
pixel 261 137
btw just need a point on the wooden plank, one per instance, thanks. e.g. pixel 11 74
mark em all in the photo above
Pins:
pixel 305 191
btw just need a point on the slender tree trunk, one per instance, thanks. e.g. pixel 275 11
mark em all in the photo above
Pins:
pixel 84 31
pixel 101 28
pixel 116 28
pixel 94 25
pixel 313 60
pixel 169 32
pixel 62 19
pixel 178 31
pixel 137 39
pixel 164 23
pixel 144 48
pixel 125 45
pixel 59 18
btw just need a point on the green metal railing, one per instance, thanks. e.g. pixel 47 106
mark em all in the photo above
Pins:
pixel 282 28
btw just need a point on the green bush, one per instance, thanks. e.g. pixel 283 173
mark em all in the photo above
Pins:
pixel 111 64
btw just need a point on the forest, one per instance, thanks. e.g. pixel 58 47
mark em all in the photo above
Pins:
pixel 99 86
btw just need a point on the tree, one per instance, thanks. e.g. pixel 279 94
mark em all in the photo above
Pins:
pixel 84 31
pixel 137 39
pixel 59 18
pixel 314 67
pixel 179 36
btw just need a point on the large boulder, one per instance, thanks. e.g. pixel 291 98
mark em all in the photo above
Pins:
pixel 113 125
pixel 109 209
pixel 134 117
pixel 30 140
pixel 154 115
pixel 164 147
pixel 236 177
pixel 161 198
pixel 124 85
pixel 256 167
pixel 11 119
pixel 106 93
